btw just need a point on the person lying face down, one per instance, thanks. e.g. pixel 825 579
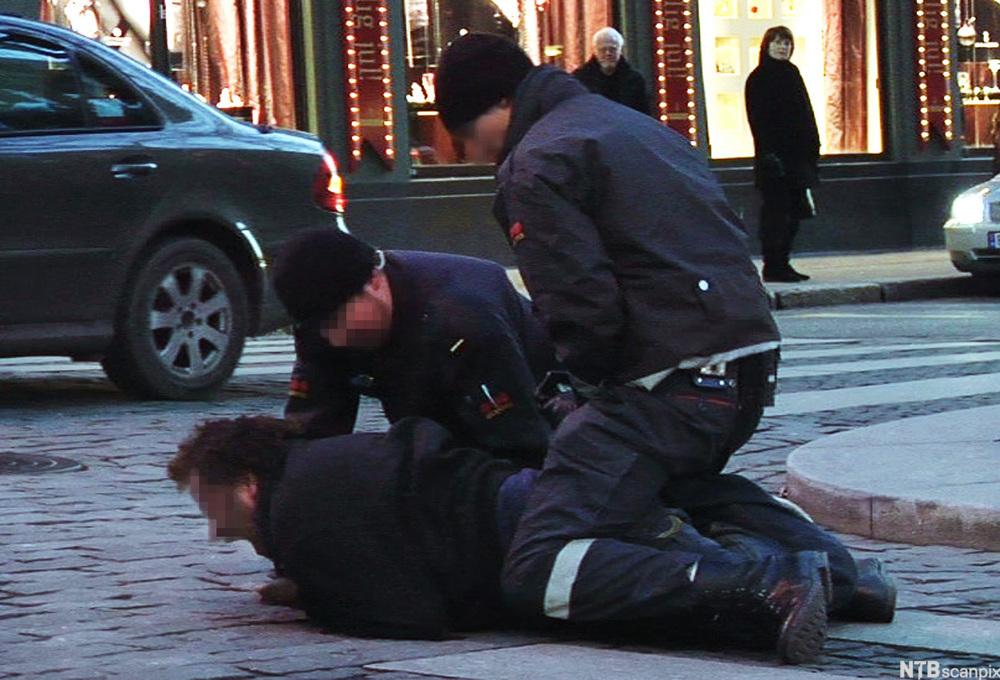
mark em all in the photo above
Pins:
pixel 401 534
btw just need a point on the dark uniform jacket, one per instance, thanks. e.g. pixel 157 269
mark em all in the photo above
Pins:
pixel 628 246
pixel 465 350
pixel 783 125
pixel 391 535
pixel 625 85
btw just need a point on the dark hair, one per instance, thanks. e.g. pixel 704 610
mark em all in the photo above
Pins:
pixel 319 270
pixel 475 73
pixel 227 451
pixel 773 34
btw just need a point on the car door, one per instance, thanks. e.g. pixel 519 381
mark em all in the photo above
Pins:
pixel 76 180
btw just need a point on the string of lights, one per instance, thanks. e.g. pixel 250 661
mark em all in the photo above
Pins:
pixel 671 39
pixel 355 92
pixel 932 23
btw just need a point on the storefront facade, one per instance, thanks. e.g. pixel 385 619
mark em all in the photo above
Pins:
pixel 904 92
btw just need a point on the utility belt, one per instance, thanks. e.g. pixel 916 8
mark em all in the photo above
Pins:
pixel 755 377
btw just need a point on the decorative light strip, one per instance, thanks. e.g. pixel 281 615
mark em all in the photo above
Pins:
pixel 936 20
pixel 362 51
pixel 386 63
pixel 678 14
pixel 353 89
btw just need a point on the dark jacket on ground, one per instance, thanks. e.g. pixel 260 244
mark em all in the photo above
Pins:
pixel 390 535
pixel 400 534
pixel 625 85
pixel 627 244
pixel 465 350
pixel 783 125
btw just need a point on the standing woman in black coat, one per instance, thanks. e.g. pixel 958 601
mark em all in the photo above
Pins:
pixel 786 144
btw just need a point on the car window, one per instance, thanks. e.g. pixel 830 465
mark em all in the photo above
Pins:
pixel 39 89
pixel 110 101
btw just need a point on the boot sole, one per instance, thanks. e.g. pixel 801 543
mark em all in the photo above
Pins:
pixel 803 632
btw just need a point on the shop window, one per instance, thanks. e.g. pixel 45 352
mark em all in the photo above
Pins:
pixel 727 55
pixel 978 68
pixel 760 9
pixel 236 55
pixel 556 32
pixel 836 51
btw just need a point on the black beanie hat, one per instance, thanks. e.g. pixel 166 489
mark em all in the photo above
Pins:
pixel 319 270
pixel 475 72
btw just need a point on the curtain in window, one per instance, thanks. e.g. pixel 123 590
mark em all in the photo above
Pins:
pixel 844 44
pixel 240 51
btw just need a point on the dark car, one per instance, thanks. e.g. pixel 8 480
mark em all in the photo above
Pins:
pixel 136 222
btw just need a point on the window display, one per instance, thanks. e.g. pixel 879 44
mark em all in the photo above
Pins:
pixel 236 55
pixel 978 67
pixel 836 51
pixel 556 32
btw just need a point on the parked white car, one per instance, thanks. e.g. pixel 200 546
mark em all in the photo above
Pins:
pixel 972 234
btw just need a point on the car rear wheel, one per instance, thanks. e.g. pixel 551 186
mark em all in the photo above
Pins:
pixel 181 330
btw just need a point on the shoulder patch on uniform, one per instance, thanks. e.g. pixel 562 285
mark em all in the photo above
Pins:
pixel 516 232
pixel 298 388
pixel 493 407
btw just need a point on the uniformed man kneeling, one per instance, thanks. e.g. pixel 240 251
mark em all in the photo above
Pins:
pixel 428 334
pixel 402 534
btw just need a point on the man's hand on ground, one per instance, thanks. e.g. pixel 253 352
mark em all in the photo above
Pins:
pixel 280 591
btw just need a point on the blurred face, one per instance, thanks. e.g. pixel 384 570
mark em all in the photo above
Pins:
pixel 364 321
pixel 229 509
pixel 780 49
pixel 485 136
pixel 608 52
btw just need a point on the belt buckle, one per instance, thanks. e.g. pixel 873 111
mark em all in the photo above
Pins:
pixel 714 370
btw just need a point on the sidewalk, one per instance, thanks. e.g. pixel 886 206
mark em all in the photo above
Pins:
pixel 929 480
pixel 859 278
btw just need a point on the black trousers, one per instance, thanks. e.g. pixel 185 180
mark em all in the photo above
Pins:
pixel 727 532
pixel 779 224
pixel 585 548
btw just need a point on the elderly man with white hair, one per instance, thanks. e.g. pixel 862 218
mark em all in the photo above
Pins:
pixel 608 73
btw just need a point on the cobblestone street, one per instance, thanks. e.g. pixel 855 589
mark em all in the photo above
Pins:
pixel 106 571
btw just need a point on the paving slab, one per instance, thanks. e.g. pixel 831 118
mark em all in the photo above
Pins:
pixel 920 630
pixel 576 662
pixel 925 480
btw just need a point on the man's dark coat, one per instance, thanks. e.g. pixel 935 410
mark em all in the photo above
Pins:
pixel 465 350
pixel 624 85
pixel 626 242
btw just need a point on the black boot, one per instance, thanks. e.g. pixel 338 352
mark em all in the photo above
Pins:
pixel 779 601
pixel 779 274
pixel 874 600
pixel 799 275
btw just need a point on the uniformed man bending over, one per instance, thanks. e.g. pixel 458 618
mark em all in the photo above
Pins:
pixel 434 335
pixel 402 534
pixel 641 272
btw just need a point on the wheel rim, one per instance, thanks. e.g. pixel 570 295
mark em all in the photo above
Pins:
pixel 190 321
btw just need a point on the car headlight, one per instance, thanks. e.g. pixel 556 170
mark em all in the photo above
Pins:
pixel 968 208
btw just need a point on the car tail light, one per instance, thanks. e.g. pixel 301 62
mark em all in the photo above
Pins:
pixel 328 188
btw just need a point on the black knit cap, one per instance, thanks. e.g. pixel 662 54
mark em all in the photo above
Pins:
pixel 317 271
pixel 475 72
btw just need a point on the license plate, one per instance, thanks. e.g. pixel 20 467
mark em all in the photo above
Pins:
pixel 993 240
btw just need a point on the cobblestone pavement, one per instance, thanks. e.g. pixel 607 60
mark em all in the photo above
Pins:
pixel 106 572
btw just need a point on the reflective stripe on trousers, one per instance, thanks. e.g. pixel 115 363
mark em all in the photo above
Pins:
pixel 563 576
